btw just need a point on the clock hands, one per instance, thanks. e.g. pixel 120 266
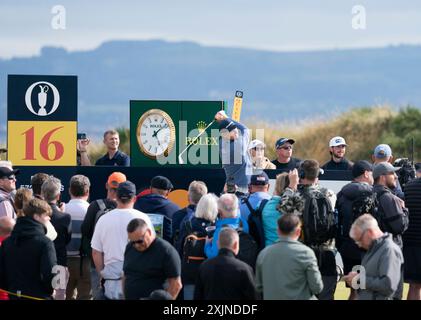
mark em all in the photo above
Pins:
pixel 156 132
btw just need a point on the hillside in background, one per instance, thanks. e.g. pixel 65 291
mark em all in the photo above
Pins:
pixel 362 128
pixel 277 86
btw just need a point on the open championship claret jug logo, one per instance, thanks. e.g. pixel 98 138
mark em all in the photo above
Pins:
pixel 42 98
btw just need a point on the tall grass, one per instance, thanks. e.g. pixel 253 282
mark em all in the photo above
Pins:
pixel 362 129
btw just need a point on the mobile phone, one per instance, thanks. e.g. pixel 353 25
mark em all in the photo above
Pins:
pixel 81 136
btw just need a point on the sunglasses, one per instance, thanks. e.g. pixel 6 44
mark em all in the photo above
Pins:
pixel 286 148
pixel 12 177
pixel 140 241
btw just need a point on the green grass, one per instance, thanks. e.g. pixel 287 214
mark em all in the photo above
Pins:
pixel 342 292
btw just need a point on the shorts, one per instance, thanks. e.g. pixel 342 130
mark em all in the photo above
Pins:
pixel 412 264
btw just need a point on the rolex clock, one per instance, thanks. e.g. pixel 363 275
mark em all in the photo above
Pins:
pixel 155 133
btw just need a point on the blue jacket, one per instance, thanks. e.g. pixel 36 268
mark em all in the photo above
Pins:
pixel 270 218
pixel 155 203
pixel 211 248
pixel 255 199
pixel 235 157
pixel 178 218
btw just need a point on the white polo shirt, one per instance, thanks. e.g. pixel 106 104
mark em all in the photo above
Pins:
pixel 110 235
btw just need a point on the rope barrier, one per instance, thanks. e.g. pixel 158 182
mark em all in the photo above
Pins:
pixel 21 295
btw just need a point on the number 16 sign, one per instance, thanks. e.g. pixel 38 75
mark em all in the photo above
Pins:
pixel 42 120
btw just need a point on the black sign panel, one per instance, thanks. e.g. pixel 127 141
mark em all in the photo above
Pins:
pixel 42 98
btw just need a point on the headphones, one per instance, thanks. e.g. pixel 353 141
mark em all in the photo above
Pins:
pixel 301 173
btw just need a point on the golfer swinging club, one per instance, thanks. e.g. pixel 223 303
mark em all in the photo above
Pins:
pixel 233 142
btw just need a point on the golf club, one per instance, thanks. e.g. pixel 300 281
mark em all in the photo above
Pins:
pixel 180 160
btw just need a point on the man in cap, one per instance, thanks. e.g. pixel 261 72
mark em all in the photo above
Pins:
pixel 157 203
pixel 258 191
pixel 284 161
pixel 110 239
pixel 392 213
pixel 356 193
pixel 257 153
pixel 233 146
pixel 392 210
pixel 7 190
pixel 337 149
pixel 96 210
pixel 383 153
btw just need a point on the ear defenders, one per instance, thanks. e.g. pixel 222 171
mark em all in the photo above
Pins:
pixel 301 173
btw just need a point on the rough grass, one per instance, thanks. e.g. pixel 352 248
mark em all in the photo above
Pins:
pixel 342 292
pixel 362 129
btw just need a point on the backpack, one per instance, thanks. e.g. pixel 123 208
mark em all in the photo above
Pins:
pixel 85 246
pixel 102 210
pixel 193 254
pixel 249 249
pixel 319 221
pixel 365 202
pixel 255 222
pixel 383 222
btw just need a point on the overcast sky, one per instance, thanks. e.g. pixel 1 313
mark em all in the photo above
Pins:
pixel 25 26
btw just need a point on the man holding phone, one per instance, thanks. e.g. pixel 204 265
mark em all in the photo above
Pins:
pixel 82 152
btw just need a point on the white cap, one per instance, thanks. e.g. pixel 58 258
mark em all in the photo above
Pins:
pixel 255 143
pixel 222 112
pixel 337 141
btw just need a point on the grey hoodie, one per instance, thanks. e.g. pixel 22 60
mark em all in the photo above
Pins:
pixel 382 264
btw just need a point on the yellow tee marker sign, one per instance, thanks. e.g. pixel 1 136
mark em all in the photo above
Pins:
pixel 43 143
pixel 238 102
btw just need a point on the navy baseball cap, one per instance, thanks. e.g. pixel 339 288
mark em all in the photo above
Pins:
pixel 280 142
pixel 7 172
pixel 360 167
pixel 227 124
pixel 260 179
pixel 161 183
pixel 126 190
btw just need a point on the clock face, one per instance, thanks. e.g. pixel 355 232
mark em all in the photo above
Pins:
pixel 155 133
